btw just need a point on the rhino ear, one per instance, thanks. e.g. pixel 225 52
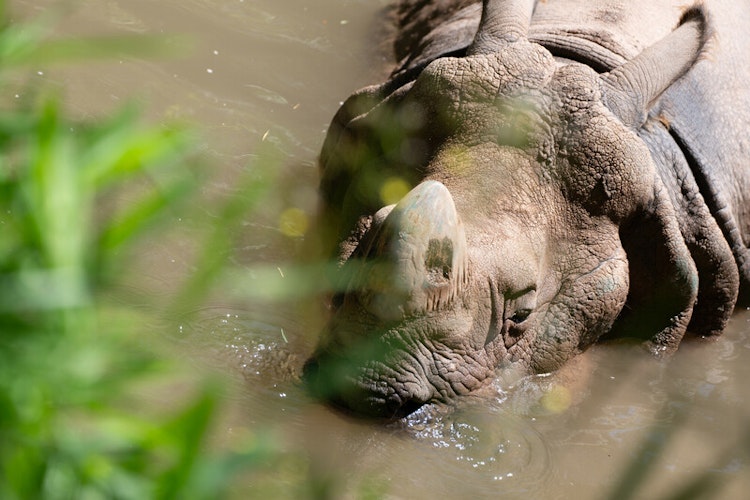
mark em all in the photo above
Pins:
pixel 663 277
pixel 630 90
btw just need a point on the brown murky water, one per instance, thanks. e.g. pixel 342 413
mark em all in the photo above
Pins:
pixel 270 70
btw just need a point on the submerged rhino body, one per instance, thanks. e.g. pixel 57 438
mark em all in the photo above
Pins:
pixel 575 171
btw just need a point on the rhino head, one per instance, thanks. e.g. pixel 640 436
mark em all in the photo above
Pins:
pixel 535 215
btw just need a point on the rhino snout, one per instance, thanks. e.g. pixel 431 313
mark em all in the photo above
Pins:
pixel 335 381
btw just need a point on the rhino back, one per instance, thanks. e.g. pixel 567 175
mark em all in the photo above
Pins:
pixel 609 32
pixel 708 114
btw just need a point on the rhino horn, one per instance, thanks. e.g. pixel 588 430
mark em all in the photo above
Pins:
pixel 503 21
pixel 419 253
pixel 631 89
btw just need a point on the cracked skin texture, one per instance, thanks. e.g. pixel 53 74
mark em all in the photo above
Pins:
pixel 578 209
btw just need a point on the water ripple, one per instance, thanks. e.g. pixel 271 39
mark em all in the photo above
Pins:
pixel 479 441
pixel 263 349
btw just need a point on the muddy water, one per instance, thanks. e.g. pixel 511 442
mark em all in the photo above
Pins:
pixel 269 71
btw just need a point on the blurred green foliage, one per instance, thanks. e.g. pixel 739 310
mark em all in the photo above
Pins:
pixel 72 359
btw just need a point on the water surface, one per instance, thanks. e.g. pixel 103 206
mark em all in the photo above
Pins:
pixel 269 71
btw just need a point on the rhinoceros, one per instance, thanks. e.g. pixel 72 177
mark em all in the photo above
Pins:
pixel 575 171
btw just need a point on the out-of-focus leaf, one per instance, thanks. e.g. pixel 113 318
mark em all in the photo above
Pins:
pixel 17 41
pixel 72 357
pixel 122 149
pixel 58 203
pixel 28 44
pixel 190 429
pixel 638 471
pixel 213 254
pixel 125 227
pixel 107 47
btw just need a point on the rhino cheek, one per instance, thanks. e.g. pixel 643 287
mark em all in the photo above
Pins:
pixel 581 314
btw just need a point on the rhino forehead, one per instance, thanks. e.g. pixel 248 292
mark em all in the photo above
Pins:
pixel 484 77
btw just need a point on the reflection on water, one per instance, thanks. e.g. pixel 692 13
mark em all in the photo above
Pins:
pixel 258 349
pixel 492 444
pixel 265 70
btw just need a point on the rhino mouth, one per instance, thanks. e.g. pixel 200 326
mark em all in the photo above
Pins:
pixel 362 391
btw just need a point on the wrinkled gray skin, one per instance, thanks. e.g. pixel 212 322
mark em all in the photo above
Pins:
pixel 578 173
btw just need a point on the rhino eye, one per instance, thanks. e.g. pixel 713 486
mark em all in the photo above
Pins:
pixel 521 306
pixel 520 316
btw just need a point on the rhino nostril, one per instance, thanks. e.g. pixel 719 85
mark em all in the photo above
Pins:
pixel 408 407
pixel 382 410
pixel 310 371
pixel 314 380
